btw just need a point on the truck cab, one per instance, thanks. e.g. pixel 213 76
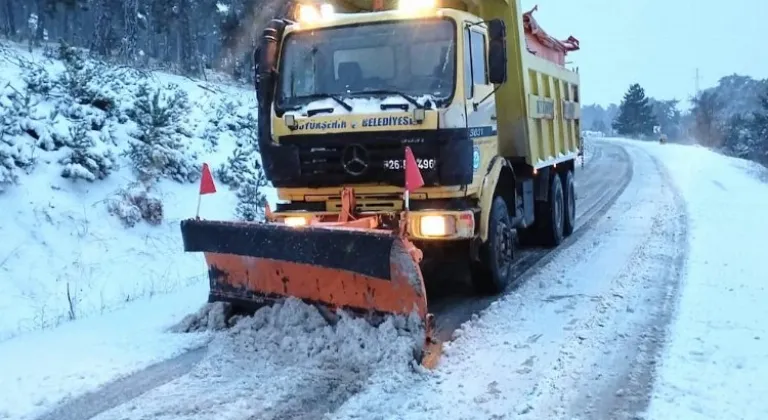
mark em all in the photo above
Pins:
pixel 353 89
pixel 342 94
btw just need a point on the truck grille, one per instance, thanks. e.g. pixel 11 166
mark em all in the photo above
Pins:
pixel 317 160
pixel 322 159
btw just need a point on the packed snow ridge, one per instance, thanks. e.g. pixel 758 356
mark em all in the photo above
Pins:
pixel 292 331
pixel 287 360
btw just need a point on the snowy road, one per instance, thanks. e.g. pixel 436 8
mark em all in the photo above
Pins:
pixel 579 338
pixel 576 329
pixel 597 187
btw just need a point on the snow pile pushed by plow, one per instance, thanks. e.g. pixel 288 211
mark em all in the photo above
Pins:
pixel 285 361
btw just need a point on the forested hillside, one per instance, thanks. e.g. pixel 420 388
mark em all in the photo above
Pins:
pixel 731 117
pixel 187 36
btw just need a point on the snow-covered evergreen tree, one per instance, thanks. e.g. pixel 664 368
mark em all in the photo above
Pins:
pixel 85 160
pixel 84 80
pixel 635 114
pixel 251 201
pixel 746 135
pixel 231 119
pixel 243 173
pixel 16 144
pixel 159 149
pixel 37 79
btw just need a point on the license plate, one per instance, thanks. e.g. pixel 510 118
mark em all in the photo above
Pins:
pixel 399 164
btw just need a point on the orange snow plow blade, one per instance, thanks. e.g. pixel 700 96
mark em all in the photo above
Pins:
pixel 364 271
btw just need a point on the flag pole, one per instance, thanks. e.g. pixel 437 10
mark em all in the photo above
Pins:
pixel 199 200
pixel 407 197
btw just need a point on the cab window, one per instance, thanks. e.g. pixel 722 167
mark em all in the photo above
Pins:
pixel 475 64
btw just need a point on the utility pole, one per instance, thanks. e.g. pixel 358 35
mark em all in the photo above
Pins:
pixel 697 83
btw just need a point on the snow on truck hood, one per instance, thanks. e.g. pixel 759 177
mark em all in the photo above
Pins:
pixel 366 115
pixel 359 105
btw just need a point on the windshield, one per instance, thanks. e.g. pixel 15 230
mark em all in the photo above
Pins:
pixel 412 57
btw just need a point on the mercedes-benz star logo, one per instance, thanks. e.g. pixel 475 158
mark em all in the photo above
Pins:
pixel 354 158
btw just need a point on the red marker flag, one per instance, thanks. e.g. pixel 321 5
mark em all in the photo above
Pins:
pixel 413 179
pixel 206 186
pixel 206 181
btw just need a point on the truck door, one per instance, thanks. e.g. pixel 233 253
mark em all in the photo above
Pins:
pixel 480 105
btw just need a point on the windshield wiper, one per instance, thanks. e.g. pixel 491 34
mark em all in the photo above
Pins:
pixel 336 98
pixel 407 97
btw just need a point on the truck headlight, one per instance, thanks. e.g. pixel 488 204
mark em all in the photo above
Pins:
pixel 434 226
pixel 416 5
pixel 308 13
pixel 326 10
pixel 295 221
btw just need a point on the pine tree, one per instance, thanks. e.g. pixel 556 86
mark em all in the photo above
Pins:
pixel 635 113
pixel 598 125
pixel 85 160
pixel 251 201
pixel 708 119
pixel 159 149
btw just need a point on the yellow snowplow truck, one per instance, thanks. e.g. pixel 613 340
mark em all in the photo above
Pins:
pixel 478 92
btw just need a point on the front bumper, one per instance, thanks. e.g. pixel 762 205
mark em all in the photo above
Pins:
pixel 430 225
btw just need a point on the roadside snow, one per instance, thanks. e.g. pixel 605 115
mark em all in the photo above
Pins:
pixel 284 362
pixel 63 256
pixel 42 368
pixel 716 361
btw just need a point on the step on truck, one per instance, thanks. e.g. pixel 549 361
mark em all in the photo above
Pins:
pixel 475 90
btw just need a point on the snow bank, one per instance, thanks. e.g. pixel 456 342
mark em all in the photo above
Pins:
pixel 79 237
pixel 42 368
pixel 286 361
pixel 716 361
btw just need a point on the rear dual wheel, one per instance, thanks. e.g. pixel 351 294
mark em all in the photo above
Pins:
pixel 551 213
pixel 555 217
pixel 569 224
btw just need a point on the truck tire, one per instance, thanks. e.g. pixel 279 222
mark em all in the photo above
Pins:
pixel 494 272
pixel 552 213
pixel 569 223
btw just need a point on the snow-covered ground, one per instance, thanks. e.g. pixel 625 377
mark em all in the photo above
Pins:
pixel 41 368
pixel 673 271
pixel 63 255
pixel 717 360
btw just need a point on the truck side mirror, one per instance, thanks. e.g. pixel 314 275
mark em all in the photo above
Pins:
pixel 497 51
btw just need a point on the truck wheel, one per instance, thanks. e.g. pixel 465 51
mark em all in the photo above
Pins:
pixel 494 273
pixel 570 204
pixel 553 212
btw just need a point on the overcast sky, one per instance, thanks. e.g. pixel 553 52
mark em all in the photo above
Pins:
pixel 658 43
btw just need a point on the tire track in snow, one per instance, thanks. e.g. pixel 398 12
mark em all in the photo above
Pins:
pixel 618 383
pixel 667 251
pixel 125 389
